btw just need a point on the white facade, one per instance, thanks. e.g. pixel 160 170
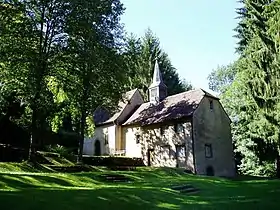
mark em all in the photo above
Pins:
pixel 110 135
pixel 106 135
pixel 132 148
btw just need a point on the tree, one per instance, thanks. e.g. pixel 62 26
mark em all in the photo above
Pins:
pixel 94 62
pixel 222 77
pixel 139 57
pixel 62 57
pixel 32 36
pixel 252 98
pixel 242 31
pixel 261 71
pixel 253 154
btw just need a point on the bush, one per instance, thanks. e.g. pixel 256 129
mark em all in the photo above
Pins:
pixel 11 154
pixel 267 169
pixel 61 150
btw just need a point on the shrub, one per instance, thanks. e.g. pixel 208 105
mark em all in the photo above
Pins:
pixel 61 150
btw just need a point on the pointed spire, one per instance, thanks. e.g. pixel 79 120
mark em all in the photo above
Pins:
pixel 157 90
pixel 157 74
pixel 157 78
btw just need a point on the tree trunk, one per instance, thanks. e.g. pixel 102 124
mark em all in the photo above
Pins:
pixel 278 163
pixel 82 136
pixel 32 135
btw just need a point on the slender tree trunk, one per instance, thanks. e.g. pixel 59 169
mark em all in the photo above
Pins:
pixel 278 163
pixel 32 135
pixel 82 136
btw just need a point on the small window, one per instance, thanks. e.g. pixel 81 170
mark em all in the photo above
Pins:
pixel 138 139
pixel 180 151
pixel 162 130
pixel 211 105
pixel 153 93
pixel 208 151
pixel 178 128
pixel 106 142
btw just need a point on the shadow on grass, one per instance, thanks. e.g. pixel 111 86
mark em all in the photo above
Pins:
pixel 17 167
pixel 18 181
pixel 148 191
pixel 124 198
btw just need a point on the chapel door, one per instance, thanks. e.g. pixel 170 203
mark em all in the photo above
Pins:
pixel 97 148
pixel 181 156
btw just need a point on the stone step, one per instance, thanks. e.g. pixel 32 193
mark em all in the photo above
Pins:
pixel 189 190
pixel 186 189
pixel 69 168
pixel 115 178
pixel 181 187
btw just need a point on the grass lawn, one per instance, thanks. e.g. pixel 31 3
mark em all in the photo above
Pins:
pixel 23 188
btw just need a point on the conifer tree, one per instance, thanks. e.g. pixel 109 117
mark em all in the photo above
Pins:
pixel 261 76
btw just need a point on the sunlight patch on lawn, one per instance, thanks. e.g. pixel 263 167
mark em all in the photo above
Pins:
pixel 168 206
pixel 193 201
pixel 139 199
pixel 102 198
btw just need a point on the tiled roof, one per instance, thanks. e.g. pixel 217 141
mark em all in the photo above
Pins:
pixel 101 116
pixel 172 107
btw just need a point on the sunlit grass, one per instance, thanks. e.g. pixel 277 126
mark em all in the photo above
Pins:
pixel 21 188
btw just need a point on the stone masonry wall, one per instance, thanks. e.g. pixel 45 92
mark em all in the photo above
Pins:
pixel 164 144
pixel 212 127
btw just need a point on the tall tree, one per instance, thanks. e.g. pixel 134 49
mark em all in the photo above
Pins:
pixel 220 79
pixel 260 75
pixel 253 154
pixel 140 55
pixel 242 31
pixel 95 64
pixel 32 35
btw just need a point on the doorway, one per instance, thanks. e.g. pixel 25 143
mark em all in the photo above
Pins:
pixel 210 171
pixel 180 156
pixel 97 148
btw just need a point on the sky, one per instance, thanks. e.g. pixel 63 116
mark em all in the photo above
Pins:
pixel 197 35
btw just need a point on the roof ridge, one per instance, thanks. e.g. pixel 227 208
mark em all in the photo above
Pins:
pixel 206 93
pixel 188 91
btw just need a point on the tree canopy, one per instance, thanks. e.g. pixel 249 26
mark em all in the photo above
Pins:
pixel 140 55
pixel 61 59
pixel 250 92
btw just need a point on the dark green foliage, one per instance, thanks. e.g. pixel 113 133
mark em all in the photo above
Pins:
pixel 140 56
pixel 261 78
pixel 57 57
pixel 31 41
pixel 61 59
pixel 61 150
pixel 250 93
pixel 221 78
pixel 93 28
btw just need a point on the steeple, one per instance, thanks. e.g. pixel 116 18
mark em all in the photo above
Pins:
pixel 157 90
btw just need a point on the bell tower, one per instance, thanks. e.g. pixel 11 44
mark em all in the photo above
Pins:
pixel 157 90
